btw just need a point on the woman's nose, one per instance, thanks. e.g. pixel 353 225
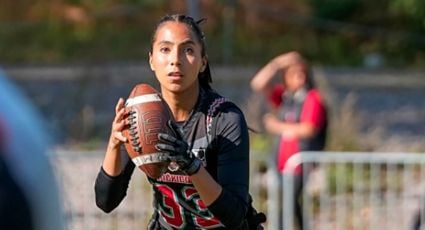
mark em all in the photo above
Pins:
pixel 175 57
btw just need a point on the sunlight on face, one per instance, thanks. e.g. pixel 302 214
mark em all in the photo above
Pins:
pixel 176 57
pixel 295 77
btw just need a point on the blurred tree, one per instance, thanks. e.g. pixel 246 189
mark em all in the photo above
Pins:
pixel 334 9
pixel 335 32
pixel 412 8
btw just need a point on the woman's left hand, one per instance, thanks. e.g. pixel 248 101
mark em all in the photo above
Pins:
pixel 272 123
pixel 179 151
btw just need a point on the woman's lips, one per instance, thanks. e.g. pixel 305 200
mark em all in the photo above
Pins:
pixel 175 75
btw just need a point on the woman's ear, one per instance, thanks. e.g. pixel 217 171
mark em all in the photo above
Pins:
pixel 150 61
pixel 204 64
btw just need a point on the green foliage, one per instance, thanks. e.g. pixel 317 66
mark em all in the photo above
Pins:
pixel 356 177
pixel 340 179
pixel 329 32
pixel 411 8
pixel 334 9
pixel 261 142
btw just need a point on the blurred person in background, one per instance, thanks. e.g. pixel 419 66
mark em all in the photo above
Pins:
pixel 209 189
pixel 297 114
pixel 29 196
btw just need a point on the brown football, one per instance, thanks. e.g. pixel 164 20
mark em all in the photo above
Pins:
pixel 147 115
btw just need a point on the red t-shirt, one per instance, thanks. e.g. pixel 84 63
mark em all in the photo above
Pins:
pixel 313 112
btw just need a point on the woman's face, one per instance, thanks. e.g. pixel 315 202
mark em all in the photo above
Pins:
pixel 176 57
pixel 294 77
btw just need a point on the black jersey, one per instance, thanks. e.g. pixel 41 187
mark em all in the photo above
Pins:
pixel 225 155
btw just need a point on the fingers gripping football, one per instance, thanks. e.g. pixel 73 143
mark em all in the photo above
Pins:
pixel 173 145
pixel 144 115
pixel 179 150
pixel 118 124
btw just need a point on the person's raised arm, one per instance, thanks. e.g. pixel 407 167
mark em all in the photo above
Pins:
pixel 261 80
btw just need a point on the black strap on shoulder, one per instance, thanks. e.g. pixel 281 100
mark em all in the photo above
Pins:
pixel 214 108
pixel 218 105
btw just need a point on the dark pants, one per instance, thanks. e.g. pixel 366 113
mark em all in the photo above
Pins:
pixel 298 193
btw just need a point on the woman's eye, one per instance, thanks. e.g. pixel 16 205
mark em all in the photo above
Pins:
pixel 189 50
pixel 164 49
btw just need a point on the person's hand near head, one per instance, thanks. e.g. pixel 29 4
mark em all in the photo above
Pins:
pixel 294 77
pixel 287 59
pixel 261 81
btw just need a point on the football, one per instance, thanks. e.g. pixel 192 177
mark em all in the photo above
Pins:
pixel 147 115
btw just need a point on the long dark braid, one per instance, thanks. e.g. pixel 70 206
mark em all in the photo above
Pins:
pixel 204 77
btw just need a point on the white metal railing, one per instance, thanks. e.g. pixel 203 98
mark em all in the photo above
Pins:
pixel 345 190
pixel 351 190
pixel 76 172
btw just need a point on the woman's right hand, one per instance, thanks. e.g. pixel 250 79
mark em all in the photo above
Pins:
pixel 260 82
pixel 118 124
pixel 285 60
pixel 112 161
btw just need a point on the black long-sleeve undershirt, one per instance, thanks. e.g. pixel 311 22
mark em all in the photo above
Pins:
pixel 109 190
